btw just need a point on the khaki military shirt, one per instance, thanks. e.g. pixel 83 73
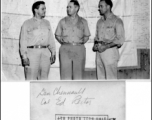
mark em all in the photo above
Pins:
pixel 72 33
pixel 36 32
pixel 112 29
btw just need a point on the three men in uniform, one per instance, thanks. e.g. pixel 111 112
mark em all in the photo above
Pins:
pixel 37 45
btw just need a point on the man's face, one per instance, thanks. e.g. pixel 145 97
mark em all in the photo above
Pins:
pixel 103 7
pixel 71 9
pixel 41 10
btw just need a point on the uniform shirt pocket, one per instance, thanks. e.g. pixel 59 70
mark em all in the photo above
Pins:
pixel 110 32
pixel 45 30
pixel 80 31
pixel 30 30
pixel 36 31
pixel 65 31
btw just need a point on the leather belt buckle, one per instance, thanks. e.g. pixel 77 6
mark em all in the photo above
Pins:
pixel 37 46
pixel 74 44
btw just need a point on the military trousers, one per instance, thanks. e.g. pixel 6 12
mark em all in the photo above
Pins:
pixel 39 64
pixel 72 61
pixel 106 64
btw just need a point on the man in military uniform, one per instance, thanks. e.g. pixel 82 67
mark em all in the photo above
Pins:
pixel 109 37
pixel 37 45
pixel 72 33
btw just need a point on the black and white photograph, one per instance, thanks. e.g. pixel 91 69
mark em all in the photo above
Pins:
pixel 75 40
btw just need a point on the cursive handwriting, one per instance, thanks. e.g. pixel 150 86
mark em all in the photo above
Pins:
pixel 59 91
pixel 79 100
pixel 44 101
pixel 60 101
pixel 43 93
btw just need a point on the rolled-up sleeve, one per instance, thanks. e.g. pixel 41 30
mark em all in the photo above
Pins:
pixel 96 33
pixel 120 33
pixel 23 40
pixel 86 29
pixel 52 46
pixel 58 31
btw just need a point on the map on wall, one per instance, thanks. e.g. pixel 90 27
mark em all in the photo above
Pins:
pixel 141 22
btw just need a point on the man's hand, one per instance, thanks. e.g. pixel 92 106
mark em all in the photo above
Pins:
pixel 102 48
pixel 26 62
pixel 95 48
pixel 60 39
pixel 52 59
pixel 108 41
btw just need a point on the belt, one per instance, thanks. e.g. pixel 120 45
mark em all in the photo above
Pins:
pixel 72 44
pixel 101 42
pixel 37 46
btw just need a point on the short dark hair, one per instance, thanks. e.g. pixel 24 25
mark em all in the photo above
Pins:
pixel 76 3
pixel 108 2
pixel 36 5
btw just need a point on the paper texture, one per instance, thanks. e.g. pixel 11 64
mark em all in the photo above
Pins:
pixel 52 100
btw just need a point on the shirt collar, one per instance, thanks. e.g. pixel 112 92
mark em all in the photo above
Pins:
pixel 77 17
pixel 37 20
pixel 110 15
